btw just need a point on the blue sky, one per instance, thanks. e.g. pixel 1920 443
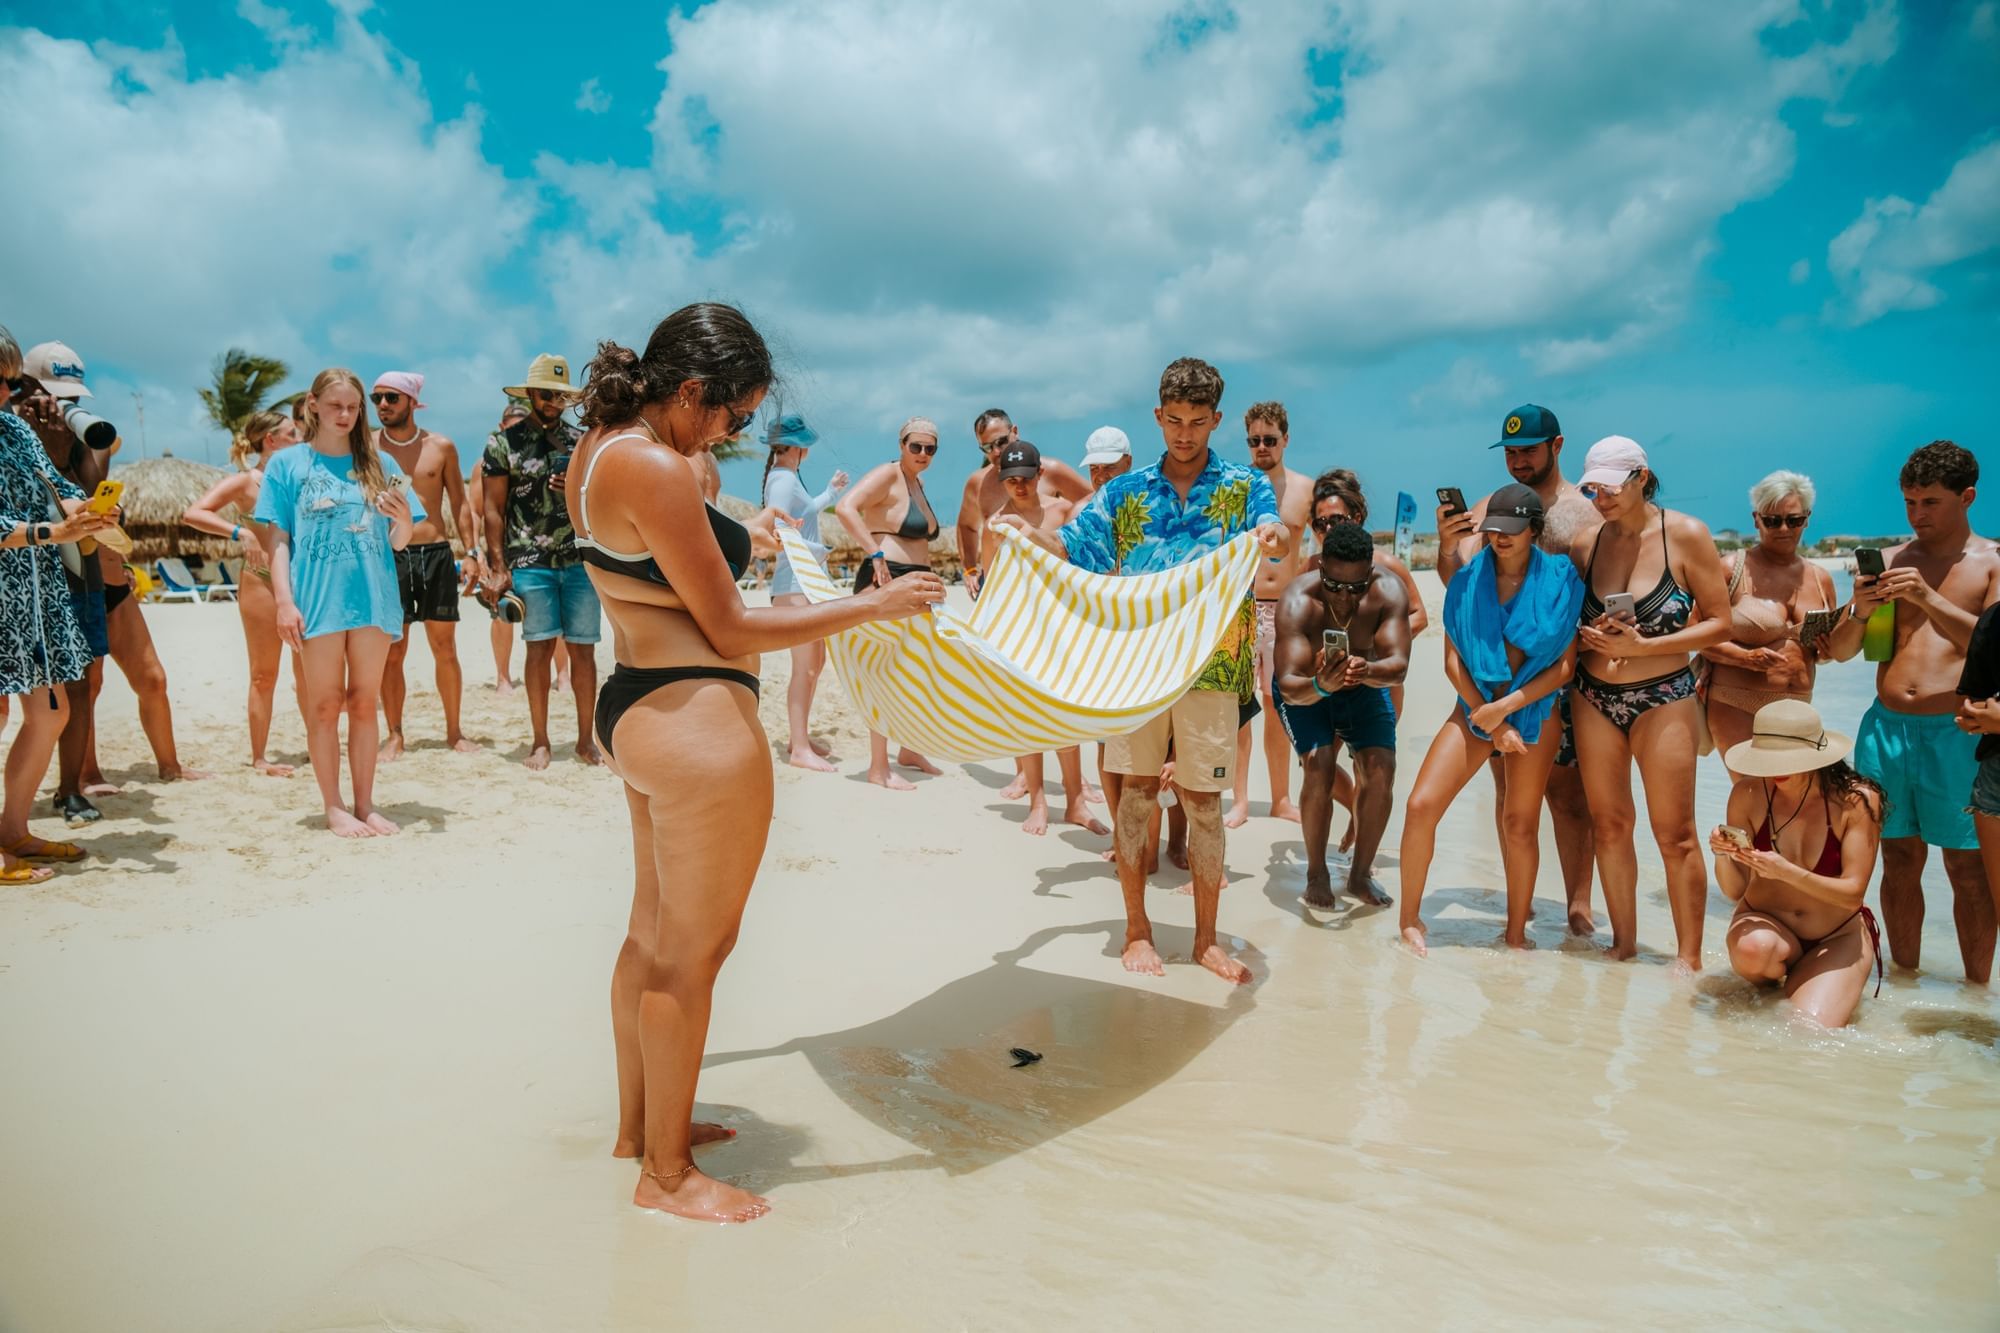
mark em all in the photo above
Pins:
pixel 1750 238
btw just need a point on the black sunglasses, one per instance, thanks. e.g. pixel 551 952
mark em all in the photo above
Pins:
pixel 1322 524
pixel 18 385
pixel 925 449
pixel 1776 521
pixel 385 398
pixel 1357 587
pixel 556 395
pixel 740 421
pixel 1264 441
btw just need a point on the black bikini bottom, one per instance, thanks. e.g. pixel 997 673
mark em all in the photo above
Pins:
pixel 628 685
pixel 864 578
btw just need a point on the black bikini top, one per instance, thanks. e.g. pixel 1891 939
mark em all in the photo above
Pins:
pixel 732 537
pixel 926 529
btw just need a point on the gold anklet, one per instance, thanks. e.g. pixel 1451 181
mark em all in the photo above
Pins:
pixel 663 1178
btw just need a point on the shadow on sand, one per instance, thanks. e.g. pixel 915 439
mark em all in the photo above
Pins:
pixel 937 1074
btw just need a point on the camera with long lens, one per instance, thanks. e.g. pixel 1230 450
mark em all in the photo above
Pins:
pixel 92 429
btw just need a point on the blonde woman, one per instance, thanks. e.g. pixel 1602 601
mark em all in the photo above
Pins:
pixel 338 513
pixel 256 601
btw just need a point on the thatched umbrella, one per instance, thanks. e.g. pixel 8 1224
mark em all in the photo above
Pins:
pixel 157 492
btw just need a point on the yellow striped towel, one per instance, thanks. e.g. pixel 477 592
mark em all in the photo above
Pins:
pixel 1050 656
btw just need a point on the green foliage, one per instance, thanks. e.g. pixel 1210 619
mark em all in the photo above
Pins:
pixel 242 382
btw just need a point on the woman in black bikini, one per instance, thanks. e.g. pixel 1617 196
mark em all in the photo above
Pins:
pixel 1800 921
pixel 678 718
pixel 1633 671
pixel 892 519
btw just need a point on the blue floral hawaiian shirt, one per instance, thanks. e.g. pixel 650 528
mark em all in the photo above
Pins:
pixel 1138 524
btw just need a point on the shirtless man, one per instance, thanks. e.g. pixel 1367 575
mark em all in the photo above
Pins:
pixel 983 496
pixel 1329 697
pixel 424 567
pixel 1938 584
pixel 1269 431
pixel 1533 441
pixel 1020 468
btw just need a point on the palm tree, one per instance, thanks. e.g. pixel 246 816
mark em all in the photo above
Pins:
pixel 242 382
pixel 735 446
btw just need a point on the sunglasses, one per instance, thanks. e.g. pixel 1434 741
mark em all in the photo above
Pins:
pixel 740 421
pixel 1264 441
pixel 1356 588
pixel 553 395
pixel 1595 489
pixel 385 398
pixel 1325 524
pixel 925 449
pixel 1776 521
pixel 22 385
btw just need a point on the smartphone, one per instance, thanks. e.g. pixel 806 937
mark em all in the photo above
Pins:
pixel 1452 498
pixel 1335 642
pixel 1621 604
pixel 107 497
pixel 1730 833
pixel 1818 624
pixel 1868 561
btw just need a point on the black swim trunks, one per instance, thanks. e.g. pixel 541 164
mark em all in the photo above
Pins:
pixel 428 581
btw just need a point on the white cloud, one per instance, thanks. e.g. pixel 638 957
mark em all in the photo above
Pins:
pixel 1467 384
pixel 592 98
pixel 1887 258
pixel 1801 271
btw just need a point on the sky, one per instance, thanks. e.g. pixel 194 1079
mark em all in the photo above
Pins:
pixel 1750 236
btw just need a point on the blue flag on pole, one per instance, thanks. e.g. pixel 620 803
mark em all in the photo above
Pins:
pixel 1406 517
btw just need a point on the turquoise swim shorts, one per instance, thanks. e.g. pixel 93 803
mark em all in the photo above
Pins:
pixel 1926 766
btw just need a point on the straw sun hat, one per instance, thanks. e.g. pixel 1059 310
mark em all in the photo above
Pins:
pixel 547 371
pixel 1787 737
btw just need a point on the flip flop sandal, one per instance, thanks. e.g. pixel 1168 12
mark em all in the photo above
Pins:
pixel 23 875
pixel 77 810
pixel 42 850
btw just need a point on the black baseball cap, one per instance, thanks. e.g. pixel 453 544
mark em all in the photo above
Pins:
pixel 1511 509
pixel 1020 459
pixel 1526 425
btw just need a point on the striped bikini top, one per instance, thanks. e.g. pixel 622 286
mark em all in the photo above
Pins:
pixel 1664 610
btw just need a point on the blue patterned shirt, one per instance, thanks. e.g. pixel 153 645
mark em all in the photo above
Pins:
pixel 1138 524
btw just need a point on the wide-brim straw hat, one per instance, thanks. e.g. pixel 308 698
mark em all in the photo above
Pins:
pixel 548 372
pixel 1787 737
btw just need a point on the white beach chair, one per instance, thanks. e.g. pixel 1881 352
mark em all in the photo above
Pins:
pixel 177 584
pixel 229 576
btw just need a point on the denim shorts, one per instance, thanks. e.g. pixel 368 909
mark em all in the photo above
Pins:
pixel 558 602
pixel 1986 788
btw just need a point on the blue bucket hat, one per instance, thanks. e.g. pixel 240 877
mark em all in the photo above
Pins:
pixel 790 432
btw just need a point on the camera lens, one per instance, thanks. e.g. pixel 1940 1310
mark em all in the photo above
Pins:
pixel 93 430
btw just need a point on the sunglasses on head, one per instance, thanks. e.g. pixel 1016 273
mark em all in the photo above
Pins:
pixel 1264 441
pixel 1357 587
pixel 385 398
pixel 1775 521
pixel 925 449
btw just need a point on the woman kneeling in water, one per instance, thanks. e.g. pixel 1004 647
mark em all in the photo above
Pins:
pixel 1798 881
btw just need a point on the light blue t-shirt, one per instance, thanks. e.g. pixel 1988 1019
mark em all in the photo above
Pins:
pixel 343 568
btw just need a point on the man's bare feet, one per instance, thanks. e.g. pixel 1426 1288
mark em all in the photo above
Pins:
pixel 1319 890
pixel 1520 942
pixel 465 745
pixel 344 825
pixel 699 1198
pixel 1580 922
pixel 1621 953
pixel 384 826
pixel 1238 816
pixel 537 760
pixel 699 1133
pixel 185 773
pixel 392 747
pixel 1093 793
pixel 1368 891
pixel 1016 789
pixel 1078 812
pixel 811 760
pixel 908 758
pixel 1037 821
pixel 892 781
pixel 1414 937
pixel 588 753
pixel 1217 960
pixel 272 770
pixel 101 788
pixel 824 749
pixel 1140 956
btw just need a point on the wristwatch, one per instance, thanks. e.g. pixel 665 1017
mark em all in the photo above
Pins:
pixel 38 534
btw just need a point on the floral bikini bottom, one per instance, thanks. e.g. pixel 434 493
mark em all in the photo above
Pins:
pixel 1626 704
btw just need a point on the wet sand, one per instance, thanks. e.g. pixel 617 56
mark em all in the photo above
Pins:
pixel 260 1080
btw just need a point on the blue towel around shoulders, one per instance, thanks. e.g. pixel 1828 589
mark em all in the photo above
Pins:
pixel 1540 621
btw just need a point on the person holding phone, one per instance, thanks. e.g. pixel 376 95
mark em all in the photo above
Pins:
pixel 1531 441
pixel 890 518
pixel 1510 645
pixel 339 511
pixel 1654 595
pixel 1342 639
pixel 1774 596
pixel 1935 587
pixel 1798 881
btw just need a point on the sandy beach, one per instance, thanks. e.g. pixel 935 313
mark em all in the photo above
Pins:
pixel 258 1079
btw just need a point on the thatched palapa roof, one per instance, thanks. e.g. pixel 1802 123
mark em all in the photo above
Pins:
pixel 157 492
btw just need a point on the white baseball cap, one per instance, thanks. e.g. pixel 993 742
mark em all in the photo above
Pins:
pixel 1106 445
pixel 58 368
pixel 1611 462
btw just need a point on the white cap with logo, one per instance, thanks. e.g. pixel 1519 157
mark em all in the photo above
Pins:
pixel 1106 445
pixel 58 368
